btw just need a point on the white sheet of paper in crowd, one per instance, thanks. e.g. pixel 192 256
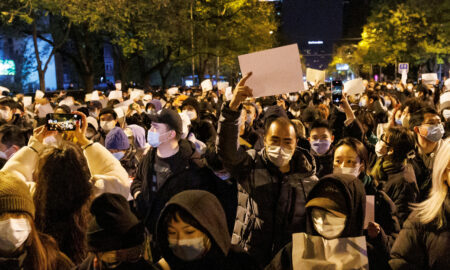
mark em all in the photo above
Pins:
pixel 222 85
pixel 316 252
pixel 172 91
pixel 370 210
pixel 27 101
pixel 306 86
pixel 444 100
pixel 275 71
pixel 229 93
pixel 136 94
pixel 404 76
pixel 207 85
pixel 429 78
pixel 43 110
pixel 95 95
pixel 119 111
pixel 2 89
pixel 88 97
pixel 39 94
pixel 115 95
pixel 354 87
pixel 315 75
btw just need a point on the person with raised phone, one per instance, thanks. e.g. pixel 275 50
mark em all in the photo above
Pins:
pixel 273 183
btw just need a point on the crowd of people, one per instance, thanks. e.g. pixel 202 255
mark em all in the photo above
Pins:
pixel 201 180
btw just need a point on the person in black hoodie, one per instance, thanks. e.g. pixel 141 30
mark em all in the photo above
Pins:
pixel 340 197
pixel 203 130
pixel 192 234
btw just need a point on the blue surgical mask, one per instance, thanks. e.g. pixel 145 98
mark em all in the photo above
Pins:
pixel 153 139
pixel 223 175
pixel 435 133
pixel 398 121
pixel 320 146
pixel 362 103
pixel 119 155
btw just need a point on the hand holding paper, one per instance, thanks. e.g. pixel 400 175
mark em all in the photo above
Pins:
pixel 241 93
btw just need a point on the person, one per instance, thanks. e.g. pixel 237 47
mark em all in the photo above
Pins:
pixel 22 246
pixel 168 168
pixel 192 233
pixel 424 240
pixel 273 183
pixel 335 208
pixel 116 239
pixel 51 171
pixel 321 139
pixel 12 138
pixel 428 130
pixel 108 120
pixel 351 157
pixel 118 144
pixel 393 173
pixel 201 129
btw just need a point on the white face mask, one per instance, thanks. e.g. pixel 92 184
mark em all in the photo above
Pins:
pixel 346 170
pixel 3 155
pixel 4 114
pixel 13 233
pixel 446 114
pixel 381 148
pixel 107 125
pixel 327 224
pixel 278 155
pixel 188 249
pixel 192 115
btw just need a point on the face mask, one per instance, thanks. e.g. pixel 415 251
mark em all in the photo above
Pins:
pixel 3 155
pixel 446 114
pixel 410 87
pixel 278 155
pixel 50 140
pixel 327 224
pixel 107 125
pixel 153 139
pixel 362 103
pixel 389 86
pixel 216 100
pixel 249 119
pixel 4 114
pixel 119 155
pixel 435 133
pixel 188 249
pixel 293 98
pixel 93 114
pixel 380 148
pixel 346 170
pixel 190 114
pixel 90 134
pixel 387 103
pixel 13 233
pixel 398 121
pixel 320 146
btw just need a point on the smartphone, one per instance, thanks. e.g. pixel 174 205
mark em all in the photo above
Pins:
pixel 336 91
pixel 62 121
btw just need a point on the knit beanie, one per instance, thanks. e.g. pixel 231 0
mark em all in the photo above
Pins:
pixel 114 226
pixel 15 195
pixel 117 139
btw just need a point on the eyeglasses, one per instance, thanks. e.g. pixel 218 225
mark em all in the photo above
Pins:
pixel 383 139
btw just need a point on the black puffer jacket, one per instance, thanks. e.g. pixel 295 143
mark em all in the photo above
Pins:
pixel 271 205
pixel 355 197
pixel 420 246
pixel 207 211
pixel 183 175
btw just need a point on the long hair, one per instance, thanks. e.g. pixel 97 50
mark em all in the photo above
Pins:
pixel 431 209
pixel 62 198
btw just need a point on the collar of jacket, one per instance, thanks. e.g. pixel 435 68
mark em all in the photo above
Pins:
pixel 13 263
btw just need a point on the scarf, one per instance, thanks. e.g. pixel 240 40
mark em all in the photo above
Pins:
pixel 383 167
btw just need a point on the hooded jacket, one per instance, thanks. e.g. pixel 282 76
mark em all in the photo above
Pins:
pixel 355 197
pixel 271 205
pixel 205 208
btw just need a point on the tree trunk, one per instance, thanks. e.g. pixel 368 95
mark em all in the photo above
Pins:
pixel 41 73
pixel 88 81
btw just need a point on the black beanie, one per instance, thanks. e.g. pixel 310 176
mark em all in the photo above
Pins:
pixel 192 102
pixel 114 226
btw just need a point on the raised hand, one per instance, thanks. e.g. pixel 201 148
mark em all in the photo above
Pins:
pixel 240 93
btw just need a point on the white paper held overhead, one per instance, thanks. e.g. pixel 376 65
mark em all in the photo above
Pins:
pixel 115 95
pixel 207 85
pixel 429 78
pixel 315 75
pixel 275 71
pixel 229 93
pixel 354 87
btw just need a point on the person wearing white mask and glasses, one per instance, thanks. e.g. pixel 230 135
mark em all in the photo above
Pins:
pixel 275 180
pixel 21 245
pixel 108 120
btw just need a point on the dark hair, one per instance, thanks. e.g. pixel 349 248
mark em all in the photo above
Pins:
pixel 417 117
pixel 8 102
pixel 283 121
pixel 94 104
pixel 372 95
pixel 367 118
pixel 62 198
pixel 413 105
pixel 401 140
pixel 84 110
pixel 358 147
pixel 321 123
pixel 13 135
pixel 112 103
pixel 65 108
pixel 108 111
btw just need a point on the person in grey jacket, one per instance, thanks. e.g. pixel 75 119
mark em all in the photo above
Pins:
pixel 273 183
